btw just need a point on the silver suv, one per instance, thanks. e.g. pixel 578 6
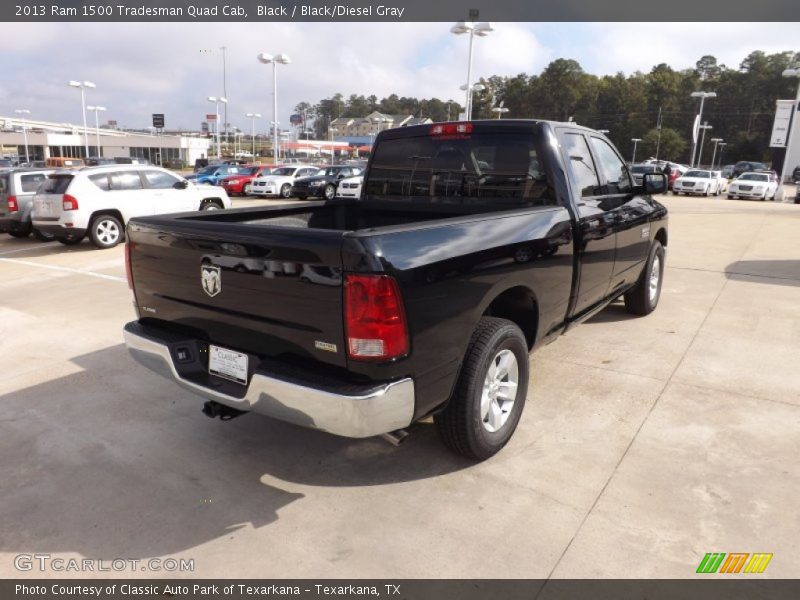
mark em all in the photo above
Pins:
pixel 17 188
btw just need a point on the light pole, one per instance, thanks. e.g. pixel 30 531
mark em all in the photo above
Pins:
pixel 702 96
pixel 274 60
pixel 476 87
pixel 225 90
pixel 216 102
pixel 473 29
pixel 500 110
pixel 635 143
pixel 82 85
pixel 704 126
pixel 795 72
pixel 96 110
pixel 714 154
pixel 332 130
pixel 23 112
pixel 721 149
pixel 253 117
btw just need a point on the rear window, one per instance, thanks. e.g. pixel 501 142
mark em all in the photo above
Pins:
pixel 497 168
pixel 56 184
pixel 31 183
pixel 698 174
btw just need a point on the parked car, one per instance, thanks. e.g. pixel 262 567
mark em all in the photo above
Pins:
pixel 796 175
pixel 214 174
pixel 722 182
pixel 99 201
pixel 761 186
pixel 350 187
pixel 323 185
pixel 17 188
pixel 428 293
pixel 280 181
pixel 6 163
pixel 62 162
pixel 697 181
pixel 236 184
pixel 96 161
pixel 727 171
pixel 744 166
pixel 638 171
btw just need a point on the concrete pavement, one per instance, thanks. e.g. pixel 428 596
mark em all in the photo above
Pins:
pixel 645 443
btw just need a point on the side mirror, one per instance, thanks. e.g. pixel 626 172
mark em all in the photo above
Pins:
pixel 654 183
pixel 181 185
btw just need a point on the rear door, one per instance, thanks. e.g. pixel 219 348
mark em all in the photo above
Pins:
pixel 596 221
pixel 631 212
pixel 127 193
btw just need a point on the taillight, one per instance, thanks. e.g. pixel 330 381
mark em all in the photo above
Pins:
pixel 375 321
pixel 12 204
pixel 69 202
pixel 451 129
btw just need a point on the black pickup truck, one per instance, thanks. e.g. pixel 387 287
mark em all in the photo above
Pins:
pixel 473 244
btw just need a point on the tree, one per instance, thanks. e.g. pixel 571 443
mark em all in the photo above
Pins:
pixel 671 146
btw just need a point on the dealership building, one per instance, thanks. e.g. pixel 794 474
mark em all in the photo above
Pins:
pixel 46 139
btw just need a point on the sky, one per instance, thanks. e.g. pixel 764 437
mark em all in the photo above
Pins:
pixel 171 68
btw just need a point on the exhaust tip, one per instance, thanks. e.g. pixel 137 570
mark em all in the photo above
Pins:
pixel 395 438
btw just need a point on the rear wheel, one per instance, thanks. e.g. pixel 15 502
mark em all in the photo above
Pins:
pixel 105 231
pixel 211 205
pixel 643 298
pixel 490 393
pixel 329 192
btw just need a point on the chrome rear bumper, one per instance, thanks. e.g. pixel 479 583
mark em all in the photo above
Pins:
pixel 360 413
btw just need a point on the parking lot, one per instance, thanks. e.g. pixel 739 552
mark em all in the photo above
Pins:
pixel 645 443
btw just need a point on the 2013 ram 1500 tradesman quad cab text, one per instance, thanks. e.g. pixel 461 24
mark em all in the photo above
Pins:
pixel 473 243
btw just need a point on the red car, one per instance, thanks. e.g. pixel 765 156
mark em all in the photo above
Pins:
pixel 234 184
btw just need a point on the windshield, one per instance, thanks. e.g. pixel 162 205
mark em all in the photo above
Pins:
pixel 698 174
pixel 284 171
pixel 502 168
pixel 754 177
pixel 56 184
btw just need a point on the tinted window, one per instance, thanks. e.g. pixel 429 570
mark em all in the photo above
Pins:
pixel 501 168
pixel 698 174
pixel 4 185
pixel 754 177
pixel 126 181
pixel 618 180
pixel 639 169
pixel 160 180
pixel 31 183
pixel 56 184
pixel 100 180
pixel 582 164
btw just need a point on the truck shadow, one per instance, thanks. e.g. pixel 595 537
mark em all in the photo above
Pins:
pixel 113 461
pixel 612 313
pixel 776 272
pixel 30 248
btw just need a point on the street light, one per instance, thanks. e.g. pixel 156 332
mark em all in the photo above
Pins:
pixel 721 149
pixel 476 87
pixel 97 109
pixel 274 60
pixel 795 72
pixel 216 102
pixel 714 154
pixel 23 112
pixel 500 110
pixel 83 85
pixel 704 126
pixel 253 117
pixel 635 143
pixel 473 29
pixel 702 96
pixel 332 130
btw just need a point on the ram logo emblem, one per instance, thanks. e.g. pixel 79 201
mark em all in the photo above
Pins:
pixel 211 279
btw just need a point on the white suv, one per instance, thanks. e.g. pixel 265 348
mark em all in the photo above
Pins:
pixel 99 201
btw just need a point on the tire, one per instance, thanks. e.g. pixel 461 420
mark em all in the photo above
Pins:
pixel 19 234
pixel 473 423
pixel 211 205
pixel 106 231
pixel 286 190
pixel 329 193
pixel 643 298
pixel 43 237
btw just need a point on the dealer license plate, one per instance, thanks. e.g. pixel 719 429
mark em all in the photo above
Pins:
pixel 228 364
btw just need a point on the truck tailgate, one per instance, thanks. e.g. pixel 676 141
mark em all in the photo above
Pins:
pixel 262 290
